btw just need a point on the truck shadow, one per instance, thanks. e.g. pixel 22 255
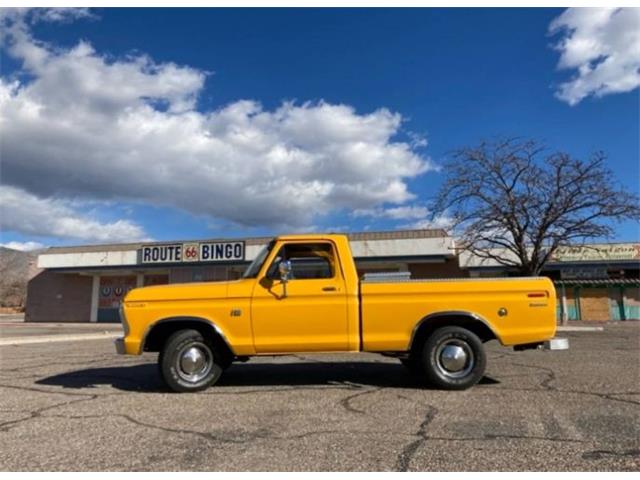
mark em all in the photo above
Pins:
pixel 146 378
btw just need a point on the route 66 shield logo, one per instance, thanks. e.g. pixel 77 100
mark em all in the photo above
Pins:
pixel 190 252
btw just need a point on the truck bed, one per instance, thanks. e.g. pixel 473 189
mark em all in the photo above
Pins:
pixel 391 307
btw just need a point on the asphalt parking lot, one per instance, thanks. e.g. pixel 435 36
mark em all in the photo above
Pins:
pixel 78 406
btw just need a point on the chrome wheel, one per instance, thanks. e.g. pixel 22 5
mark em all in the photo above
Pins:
pixel 194 362
pixel 454 358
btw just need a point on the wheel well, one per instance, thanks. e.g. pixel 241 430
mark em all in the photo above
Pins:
pixel 162 330
pixel 429 325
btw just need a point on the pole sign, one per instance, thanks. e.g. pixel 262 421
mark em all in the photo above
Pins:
pixel 201 252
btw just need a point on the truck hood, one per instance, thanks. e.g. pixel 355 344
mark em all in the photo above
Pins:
pixel 180 291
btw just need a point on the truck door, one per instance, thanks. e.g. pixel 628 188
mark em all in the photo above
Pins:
pixel 313 314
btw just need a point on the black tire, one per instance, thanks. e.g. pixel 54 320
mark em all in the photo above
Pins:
pixel 453 358
pixel 413 364
pixel 188 362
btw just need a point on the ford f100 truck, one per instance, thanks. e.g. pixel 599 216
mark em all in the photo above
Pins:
pixel 302 293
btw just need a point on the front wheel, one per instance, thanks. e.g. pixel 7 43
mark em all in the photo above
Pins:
pixel 453 358
pixel 187 362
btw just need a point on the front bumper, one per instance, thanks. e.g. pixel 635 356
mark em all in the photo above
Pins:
pixel 119 344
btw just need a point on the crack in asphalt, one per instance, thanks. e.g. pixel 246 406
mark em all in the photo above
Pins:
pixel 599 454
pixel 606 396
pixel 346 401
pixel 240 438
pixel 37 413
pixel 403 461
pixel 603 396
pixel 244 437
pixel 551 375
pixel 490 436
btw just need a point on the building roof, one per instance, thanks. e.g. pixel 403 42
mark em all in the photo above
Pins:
pixel 393 244
pixel 355 236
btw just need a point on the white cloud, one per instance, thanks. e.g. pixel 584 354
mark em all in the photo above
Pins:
pixel 22 246
pixel 27 214
pixel 603 46
pixel 443 222
pixel 419 214
pixel 405 212
pixel 93 127
pixel 60 14
pixel 35 15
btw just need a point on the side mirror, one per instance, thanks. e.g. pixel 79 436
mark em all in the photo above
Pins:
pixel 284 268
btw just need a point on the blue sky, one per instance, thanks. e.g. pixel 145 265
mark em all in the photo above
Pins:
pixel 451 77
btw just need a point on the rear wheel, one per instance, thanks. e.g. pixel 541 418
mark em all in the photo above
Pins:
pixel 453 358
pixel 188 362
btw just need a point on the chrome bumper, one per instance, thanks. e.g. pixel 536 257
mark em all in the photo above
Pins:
pixel 119 344
pixel 556 344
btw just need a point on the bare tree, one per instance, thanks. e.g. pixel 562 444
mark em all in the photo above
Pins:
pixel 513 203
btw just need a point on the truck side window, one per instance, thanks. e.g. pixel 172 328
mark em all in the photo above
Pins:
pixel 308 261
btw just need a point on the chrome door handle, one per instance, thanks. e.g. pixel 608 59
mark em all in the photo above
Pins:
pixel 328 289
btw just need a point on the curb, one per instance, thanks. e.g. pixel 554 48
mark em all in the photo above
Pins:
pixel 579 329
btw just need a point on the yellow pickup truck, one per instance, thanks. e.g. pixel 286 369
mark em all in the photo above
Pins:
pixel 302 293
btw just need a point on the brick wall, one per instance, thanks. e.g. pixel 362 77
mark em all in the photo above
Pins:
pixel 58 297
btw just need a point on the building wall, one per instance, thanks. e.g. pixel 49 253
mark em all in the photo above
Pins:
pixel 631 297
pixel 600 304
pixel 155 279
pixel 58 297
pixel 198 274
pixel 113 289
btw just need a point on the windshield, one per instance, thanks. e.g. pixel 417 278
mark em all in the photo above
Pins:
pixel 254 268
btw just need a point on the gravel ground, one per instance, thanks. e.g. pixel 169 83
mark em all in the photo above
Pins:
pixel 79 406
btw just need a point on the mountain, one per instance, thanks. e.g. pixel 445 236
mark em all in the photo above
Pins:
pixel 16 269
